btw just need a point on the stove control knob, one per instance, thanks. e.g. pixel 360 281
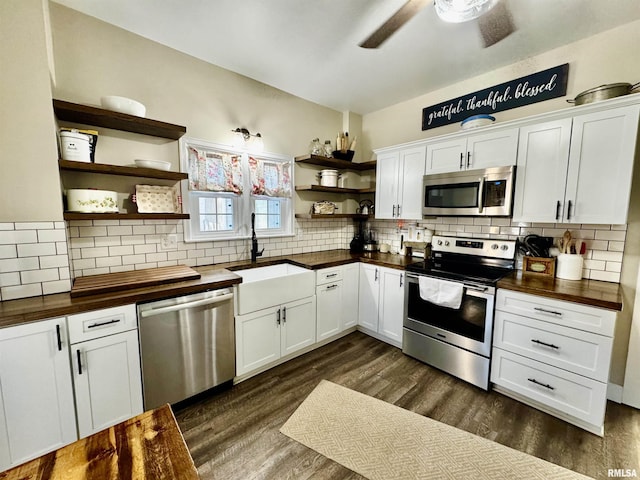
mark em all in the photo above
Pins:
pixel 446 243
pixel 494 246
pixel 439 242
pixel 504 247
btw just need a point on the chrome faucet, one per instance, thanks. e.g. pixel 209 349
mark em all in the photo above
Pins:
pixel 254 241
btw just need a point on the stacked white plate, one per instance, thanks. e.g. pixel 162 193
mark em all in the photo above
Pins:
pixel 477 121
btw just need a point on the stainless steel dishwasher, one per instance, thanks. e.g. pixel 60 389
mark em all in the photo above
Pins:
pixel 187 345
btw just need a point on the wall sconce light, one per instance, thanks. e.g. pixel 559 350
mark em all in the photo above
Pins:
pixel 242 138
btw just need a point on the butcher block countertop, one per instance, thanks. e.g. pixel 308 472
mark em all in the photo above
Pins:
pixel 149 446
pixel 587 292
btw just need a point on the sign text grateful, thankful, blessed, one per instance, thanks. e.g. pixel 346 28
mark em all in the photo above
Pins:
pixel 537 87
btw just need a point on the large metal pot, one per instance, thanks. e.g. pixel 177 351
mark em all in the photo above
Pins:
pixel 603 92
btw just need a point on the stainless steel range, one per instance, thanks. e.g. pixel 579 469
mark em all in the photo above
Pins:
pixel 449 302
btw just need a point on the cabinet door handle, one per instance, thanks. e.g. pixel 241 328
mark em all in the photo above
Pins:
pixel 401 278
pixel 461 160
pixel 399 209
pixel 59 338
pixel 101 324
pixel 468 159
pixel 550 312
pixel 550 345
pixel 79 362
pixel 331 275
pixel 545 385
pixel 331 287
pixel 284 315
pixel 558 204
pixel 394 211
pixel 569 204
pixel 376 277
pixel 278 317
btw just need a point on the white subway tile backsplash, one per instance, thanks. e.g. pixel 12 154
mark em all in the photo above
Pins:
pixel 39 276
pixel 52 236
pixel 94 252
pixel 18 237
pixel 58 286
pixel 54 261
pixel 92 231
pixel 9 279
pixel 19 264
pixel 120 251
pixel 120 230
pixel 8 251
pixel 605 276
pixel 36 249
pixel 34 226
pixel 21 291
pixel 616 235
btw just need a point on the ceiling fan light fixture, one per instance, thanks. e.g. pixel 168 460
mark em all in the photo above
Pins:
pixel 458 11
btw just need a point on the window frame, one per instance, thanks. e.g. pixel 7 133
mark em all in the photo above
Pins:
pixel 244 203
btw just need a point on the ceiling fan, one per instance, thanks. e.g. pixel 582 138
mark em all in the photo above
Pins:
pixel 492 17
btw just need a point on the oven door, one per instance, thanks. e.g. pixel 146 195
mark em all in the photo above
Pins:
pixel 469 327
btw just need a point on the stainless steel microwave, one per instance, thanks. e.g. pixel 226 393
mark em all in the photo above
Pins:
pixel 486 192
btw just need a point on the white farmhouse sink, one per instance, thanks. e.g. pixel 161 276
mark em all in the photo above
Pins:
pixel 264 287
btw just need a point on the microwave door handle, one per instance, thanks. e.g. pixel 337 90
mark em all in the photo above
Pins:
pixel 481 195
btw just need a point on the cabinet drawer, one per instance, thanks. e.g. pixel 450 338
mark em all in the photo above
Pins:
pixel 327 275
pixel 578 396
pixel 579 352
pixel 99 323
pixel 569 314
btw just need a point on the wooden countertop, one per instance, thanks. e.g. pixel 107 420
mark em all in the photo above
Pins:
pixel 148 446
pixel 587 292
pixel 25 310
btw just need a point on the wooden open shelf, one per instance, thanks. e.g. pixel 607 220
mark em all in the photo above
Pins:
pixel 335 163
pixel 99 117
pixel 70 166
pixel 320 188
pixel 310 216
pixel 125 216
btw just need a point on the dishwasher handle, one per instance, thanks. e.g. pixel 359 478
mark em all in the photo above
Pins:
pixel 184 306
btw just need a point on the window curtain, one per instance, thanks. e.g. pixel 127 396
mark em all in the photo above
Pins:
pixel 272 179
pixel 214 171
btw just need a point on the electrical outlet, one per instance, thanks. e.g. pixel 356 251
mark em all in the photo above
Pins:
pixel 168 241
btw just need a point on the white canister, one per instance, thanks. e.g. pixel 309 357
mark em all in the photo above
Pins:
pixel 75 146
pixel 569 266
pixel 329 178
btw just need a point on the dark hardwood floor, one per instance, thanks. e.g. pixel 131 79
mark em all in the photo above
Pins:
pixel 234 434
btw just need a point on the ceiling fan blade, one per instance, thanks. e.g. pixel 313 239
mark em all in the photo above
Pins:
pixel 496 25
pixel 388 28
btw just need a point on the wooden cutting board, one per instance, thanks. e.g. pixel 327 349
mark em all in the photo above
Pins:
pixel 113 282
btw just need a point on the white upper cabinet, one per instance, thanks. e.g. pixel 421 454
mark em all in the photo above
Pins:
pixel 577 170
pixel 471 152
pixel 399 183
pixel 601 165
pixel 541 173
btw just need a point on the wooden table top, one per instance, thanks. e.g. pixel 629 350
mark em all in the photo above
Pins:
pixel 149 446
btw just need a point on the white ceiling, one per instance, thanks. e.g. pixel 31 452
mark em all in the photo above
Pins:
pixel 309 48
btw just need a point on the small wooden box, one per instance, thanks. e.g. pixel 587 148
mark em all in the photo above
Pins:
pixel 545 267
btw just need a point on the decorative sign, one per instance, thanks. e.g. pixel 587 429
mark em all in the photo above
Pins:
pixel 540 86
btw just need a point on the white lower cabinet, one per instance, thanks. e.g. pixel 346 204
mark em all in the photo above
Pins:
pixel 36 395
pixel 265 336
pixel 381 302
pixel 554 355
pixel 336 300
pixel 105 358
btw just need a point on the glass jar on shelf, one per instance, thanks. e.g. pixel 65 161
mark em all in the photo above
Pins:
pixel 328 149
pixel 316 148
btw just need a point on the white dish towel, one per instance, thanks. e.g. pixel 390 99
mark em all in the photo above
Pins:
pixel 441 292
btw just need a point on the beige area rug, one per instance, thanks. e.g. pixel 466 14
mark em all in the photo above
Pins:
pixel 382 442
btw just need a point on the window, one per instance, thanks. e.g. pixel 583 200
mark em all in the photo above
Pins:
pixel 225 186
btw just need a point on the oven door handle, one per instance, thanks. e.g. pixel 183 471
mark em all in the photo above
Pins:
pixel 481 195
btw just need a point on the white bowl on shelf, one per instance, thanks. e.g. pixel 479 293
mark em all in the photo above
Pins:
pixel 123 105
pixel 477 121
pixel 86 200
pixel 157 164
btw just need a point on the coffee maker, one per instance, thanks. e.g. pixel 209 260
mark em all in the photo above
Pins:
pixel 357 242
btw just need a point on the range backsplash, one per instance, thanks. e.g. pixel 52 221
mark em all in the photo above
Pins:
pixel 41 258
